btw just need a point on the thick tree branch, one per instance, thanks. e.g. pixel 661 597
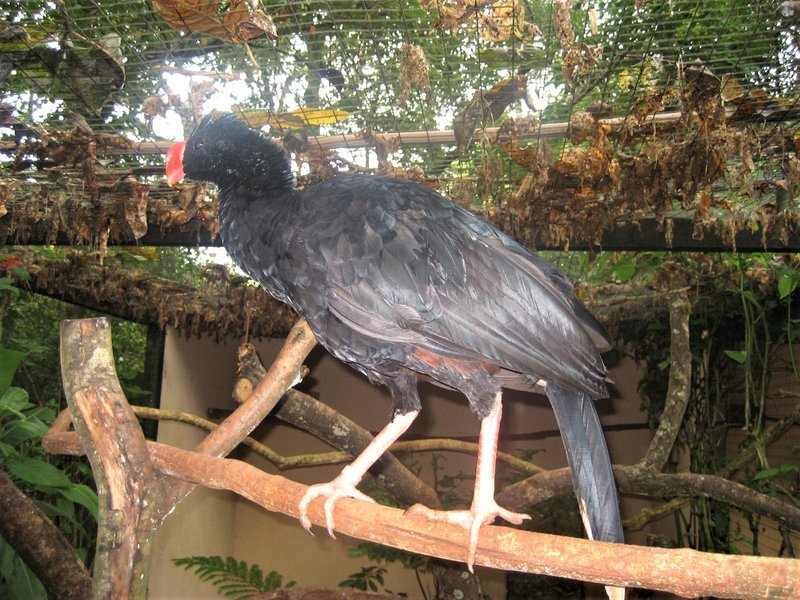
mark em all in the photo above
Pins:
pixel 681 571
pixel 680 379
pixel 283 374
pixel 745 456
pixel 631 479
pixel 41 545
pixel 128 486
pixel 218 308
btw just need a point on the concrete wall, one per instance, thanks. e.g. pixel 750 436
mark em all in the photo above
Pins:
pixel 199 374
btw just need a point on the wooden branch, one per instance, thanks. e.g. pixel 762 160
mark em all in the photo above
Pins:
pixel 662 485
pixel 284 373
pixel 300 409
pixel 746 455
pixel 323 422
pixel 218 307
pixel 632 479
pixel 329 425
pixel 41 545
pixel 682 571
pixel 335 457
pixel 128 486
pixel 104 421
pixel 680 380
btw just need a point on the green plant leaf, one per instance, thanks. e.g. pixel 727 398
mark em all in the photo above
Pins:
pixel 7 449
pixel 773 471
pixel 83 495
pixel 740 356
pixel 624 270
pixel 787 284
pixel 38 472
pixel 9 362
pixel 14 400
pixel 19 431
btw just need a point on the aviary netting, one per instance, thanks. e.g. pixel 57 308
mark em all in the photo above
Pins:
pixel 626 124
pixel 561 121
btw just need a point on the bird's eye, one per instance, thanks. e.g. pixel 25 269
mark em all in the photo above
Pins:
pixel 199 144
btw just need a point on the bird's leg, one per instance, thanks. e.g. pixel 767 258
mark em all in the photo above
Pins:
pixel 484 509
pixel 344 486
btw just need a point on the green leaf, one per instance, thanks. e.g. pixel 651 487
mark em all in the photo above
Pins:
pixel 7 285
pixel 21 431
pixel 9 361
pixel 624 270
pixel 38 472
pixel 7 449
pixel 787 284
pixel 14 400
pixel 83 495
pixel 773 471
pixel 740 356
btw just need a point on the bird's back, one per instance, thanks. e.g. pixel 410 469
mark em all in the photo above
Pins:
pixel 383 267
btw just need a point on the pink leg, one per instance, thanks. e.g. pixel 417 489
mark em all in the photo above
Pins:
pixel 344 486
pixel 484 509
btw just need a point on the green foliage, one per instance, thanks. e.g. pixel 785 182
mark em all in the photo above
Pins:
pixel 232 578
pixel 48 480
pixel 742 312
pixel 22 425
pixel 368 579
pixel 17 581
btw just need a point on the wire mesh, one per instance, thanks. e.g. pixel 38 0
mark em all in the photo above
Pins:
pixel 443 70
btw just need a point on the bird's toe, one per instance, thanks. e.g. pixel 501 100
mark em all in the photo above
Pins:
pixel 332 492
pixel 472 520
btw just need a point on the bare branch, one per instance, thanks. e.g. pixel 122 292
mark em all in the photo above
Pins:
pixel 41 545
pixel 680 379
pixel 631 479
pixel 283 373
pixel 128 485
pixel 682 571
pixel 745 456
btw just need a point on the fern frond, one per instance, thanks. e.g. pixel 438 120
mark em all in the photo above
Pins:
pixel 232 578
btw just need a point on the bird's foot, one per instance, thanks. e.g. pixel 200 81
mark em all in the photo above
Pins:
pixel 333 491
pixel 472 520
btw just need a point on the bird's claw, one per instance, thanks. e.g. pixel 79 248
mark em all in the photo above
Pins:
pixel 472 520
pixel 333 491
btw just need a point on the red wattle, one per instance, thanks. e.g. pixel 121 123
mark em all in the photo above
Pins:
pixel 174 168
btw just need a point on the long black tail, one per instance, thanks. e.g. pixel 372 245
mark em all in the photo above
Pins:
pixel 589 462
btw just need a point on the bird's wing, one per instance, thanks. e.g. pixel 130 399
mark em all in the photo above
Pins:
pixel 413 267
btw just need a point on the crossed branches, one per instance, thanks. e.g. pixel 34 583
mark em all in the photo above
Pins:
pixel 140 482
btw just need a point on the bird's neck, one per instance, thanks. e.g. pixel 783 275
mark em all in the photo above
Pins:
pixel 259 165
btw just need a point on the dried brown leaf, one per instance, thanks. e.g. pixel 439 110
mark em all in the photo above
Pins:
pixel 136 208
pixel 414 72
pixel 230 20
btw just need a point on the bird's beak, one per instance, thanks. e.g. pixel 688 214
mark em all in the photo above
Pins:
pixel 174 168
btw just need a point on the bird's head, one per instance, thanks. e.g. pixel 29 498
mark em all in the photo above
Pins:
pixel 225 150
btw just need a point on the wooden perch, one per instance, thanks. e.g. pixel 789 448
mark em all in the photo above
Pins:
pixel 128 486
pixel 681 571
pixel 100 412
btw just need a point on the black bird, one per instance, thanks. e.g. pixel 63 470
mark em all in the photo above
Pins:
pixel 404 285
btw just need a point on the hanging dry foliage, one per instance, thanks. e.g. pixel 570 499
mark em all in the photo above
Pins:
pixel 486 107
pixel 576 59
pixel 414 72
pixel 233 21
pixel 497 21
